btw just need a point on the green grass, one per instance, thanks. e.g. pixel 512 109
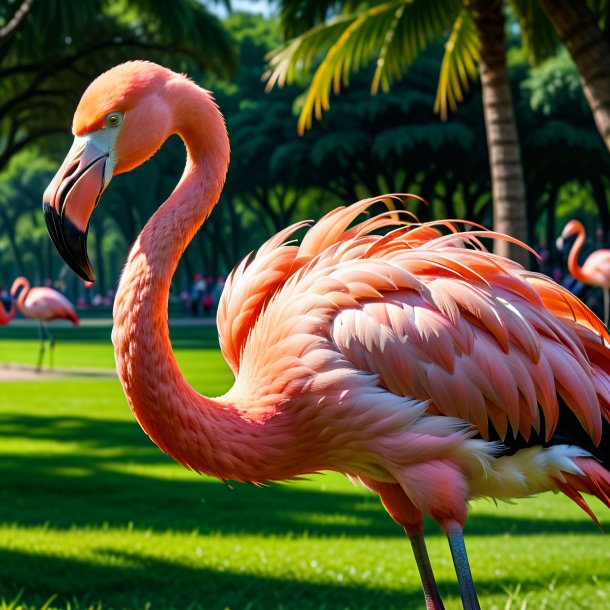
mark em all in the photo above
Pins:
pixel 94 516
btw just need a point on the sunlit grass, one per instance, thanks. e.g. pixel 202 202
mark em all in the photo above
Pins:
pixel 93 516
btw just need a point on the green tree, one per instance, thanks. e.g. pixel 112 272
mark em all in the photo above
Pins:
pixel 561 147
pixel 21 227
pixel 584 28
pixel 51 49
pixel 395 32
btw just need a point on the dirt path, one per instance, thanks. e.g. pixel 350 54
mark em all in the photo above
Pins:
pixel 10 371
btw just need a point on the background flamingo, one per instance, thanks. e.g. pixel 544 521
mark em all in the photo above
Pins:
pixel 596 268
pixel 7 316
pixel 43 304
pixel 400 360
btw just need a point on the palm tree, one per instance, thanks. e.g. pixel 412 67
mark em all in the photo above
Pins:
pixel 578 25
pixel 395 32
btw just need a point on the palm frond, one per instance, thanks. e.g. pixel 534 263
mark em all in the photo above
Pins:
pixel 295 57
pixel 395 31
pixel 460 63
pixel 415 25
pixel 538 35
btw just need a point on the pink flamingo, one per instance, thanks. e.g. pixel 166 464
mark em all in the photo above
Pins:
pixel 6 316
pixel 596 268
pixel 43 304
pixel 429 370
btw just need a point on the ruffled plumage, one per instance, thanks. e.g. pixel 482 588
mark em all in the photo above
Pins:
pixel 418 315
pixel 417 308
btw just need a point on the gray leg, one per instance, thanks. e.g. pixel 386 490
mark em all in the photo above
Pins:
pixel 51 348
pixel 41 334
pixel 462 567
pixel 433 598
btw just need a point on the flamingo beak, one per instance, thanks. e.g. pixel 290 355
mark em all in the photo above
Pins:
pixel 559 243
pixel 70 198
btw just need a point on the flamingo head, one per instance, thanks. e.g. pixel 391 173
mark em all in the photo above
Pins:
pixel 19 282
pixel 122 119
pixel 573 227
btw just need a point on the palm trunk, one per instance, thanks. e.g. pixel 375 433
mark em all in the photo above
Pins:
pixel 508 186
pixel 576 26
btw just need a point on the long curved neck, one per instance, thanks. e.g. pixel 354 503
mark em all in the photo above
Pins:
pixel 573 267
pixel 204 434
pixel 20 282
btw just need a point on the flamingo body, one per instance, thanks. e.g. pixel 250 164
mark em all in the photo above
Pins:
pixel 46 304
pixel 43 303
pixel 393 335
pixel 421 365
pixel 596 268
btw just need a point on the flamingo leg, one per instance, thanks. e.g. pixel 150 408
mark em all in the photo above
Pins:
pixel 41 334
pixel 420 552
pixel 404 512
pixel 606 305
pixel 462 567
pixel 51 349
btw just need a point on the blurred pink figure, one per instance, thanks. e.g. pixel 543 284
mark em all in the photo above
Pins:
pixel 6 316
pixel 596 268
pixel 43 304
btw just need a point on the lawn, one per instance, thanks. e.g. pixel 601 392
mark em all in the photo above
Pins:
pixel 94 516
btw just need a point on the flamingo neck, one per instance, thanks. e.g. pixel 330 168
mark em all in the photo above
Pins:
pixel 573 267
pixel 202 433
pixel 23 283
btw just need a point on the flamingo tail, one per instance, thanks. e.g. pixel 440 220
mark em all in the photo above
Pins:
pixel 595 480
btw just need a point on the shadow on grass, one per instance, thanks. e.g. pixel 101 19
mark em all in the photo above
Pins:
pixel 167 585
pixel 94 486
pixel 183 337
pixel 137 580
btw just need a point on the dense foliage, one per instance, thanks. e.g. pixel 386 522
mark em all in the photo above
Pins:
pixel 364 145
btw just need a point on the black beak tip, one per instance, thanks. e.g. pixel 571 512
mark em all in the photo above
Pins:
pixel 70 241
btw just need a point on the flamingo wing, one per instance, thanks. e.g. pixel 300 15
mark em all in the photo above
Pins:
pixel 475 335
pixel 254 282
pixel 493 365
pixel 485 341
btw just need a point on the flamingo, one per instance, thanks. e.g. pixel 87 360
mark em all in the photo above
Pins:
pixel 596 268
pixel 43 304
pixel 6 316
pixel 420 365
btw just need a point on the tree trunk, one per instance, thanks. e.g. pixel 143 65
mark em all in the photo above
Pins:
pixel 577 27
pixel 508 186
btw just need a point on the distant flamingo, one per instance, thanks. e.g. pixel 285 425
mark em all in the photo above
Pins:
pixel 43 304
pixel 399 360
pixel 596 268
pixel 6 316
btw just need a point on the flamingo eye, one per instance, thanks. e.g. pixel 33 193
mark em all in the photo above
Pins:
pixel 114 119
